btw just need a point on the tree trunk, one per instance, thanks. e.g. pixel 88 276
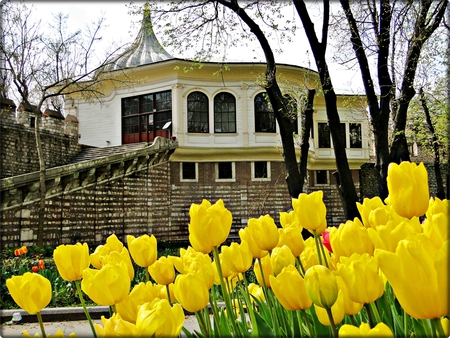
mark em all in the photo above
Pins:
pixel 347 190
pixel 273 91
pixel 437 161
pixel 304 148
pixel 42 186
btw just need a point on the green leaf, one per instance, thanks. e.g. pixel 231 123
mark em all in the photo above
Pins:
pixel 263 327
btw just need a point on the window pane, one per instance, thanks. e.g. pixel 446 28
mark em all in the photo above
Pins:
pixel 131 125
pixel 224 113
pixel 324 135
pixel 355 135
pixel 163 100
pixel 130 106
pixel 225 170
pixel 264 115
pixel 198 113
pixel 321 177
pixel 188 170
pixel 260 169
pixel 147 103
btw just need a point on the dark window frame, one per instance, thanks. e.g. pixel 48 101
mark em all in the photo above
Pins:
pixel 224 113
pixel 189 168
pixel 265 121
pixel 197 112
pixel 225 171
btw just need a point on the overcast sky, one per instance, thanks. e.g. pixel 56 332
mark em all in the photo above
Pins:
pixel 120 30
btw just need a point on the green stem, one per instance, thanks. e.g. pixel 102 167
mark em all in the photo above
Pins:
pixel 147 275
pixel 168 294
pixel 215 310
pixel 317 247
pixel 322 249
pixel 300 267
pixel 41 323
pixel 255 332
pixel 405 323
pixel 369 315
pixel 437 327
pixel 308 323
pixel 374 309
pixel 226 296
pixel 332 325
pixel 88 316
pixel 299 319
pixel 202 323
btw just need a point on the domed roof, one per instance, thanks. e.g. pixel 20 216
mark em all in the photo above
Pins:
pixel 145 49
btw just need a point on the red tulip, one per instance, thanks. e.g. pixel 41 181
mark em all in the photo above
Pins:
pixel 326 240
pixel 41 264
pixel 17 252
pixel 35 269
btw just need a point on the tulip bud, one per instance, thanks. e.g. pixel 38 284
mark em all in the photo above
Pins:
pixel 237 256
pixel 246 235
pixel 191 292
pixel 31 291
pixel 289 288
pixel 311 211
pixel 128 308
pixel 264 232
pixel 71 260
pixel 281 257
pixel 143 249
pixel 321 286
pixel 266 267
pixel 115 326
pixel 209 226
pixel 292 237
pixel 408 189
pixel 159 319
pixel 162 271
pixel 364 330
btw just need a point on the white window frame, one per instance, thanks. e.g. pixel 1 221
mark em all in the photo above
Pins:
pixel 185 179
pixel 233 173
pixel 261 179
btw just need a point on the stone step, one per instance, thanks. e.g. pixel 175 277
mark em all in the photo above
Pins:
pixel 91 153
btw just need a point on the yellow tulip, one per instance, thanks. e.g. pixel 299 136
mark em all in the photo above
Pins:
pixel 209 226
pixel 108 286
pixel 159 319
pixel 162 291
pixel 292 237
pixel 139 295
pixel 71 260
pixel 246 235
pixel 191 292
pixel 264 232
pixel 311 211
pixel 289 219
pixel 143 249
pixel 162 271
pixel 364 330
pixel 58 334
pixel 191 261
pixel 256 291
pixel 115 257
pixel 115 326
pixel 337 310
pixel 418 274
pixel 367 207
pixel 112 244
pixel 351 237
pixel 226 271
pixel 321 286
pixel 289 288
pixel 280 258
pixel 350 307
pixel 445 322
pixel 266 267
pixel 360 275
pixel 31 291
pixel 237 256
pixel 408 189
pixel 435 226
pixel 387 236
pixel 309 257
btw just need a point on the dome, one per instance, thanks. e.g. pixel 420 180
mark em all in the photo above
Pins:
pixel 145 49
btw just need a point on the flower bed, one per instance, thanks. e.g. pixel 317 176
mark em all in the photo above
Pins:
pixel 383 275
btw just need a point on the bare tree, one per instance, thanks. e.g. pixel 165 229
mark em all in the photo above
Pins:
pixel 389 31
pixel 44 66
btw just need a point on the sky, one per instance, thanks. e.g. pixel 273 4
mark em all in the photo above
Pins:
pixel 120 29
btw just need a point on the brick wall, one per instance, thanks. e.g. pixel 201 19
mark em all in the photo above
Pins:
pixel 19 155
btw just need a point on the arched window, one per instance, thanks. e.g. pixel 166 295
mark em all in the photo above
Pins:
pixel 264 115
pixel 224 113
pixel 291 105
pixel 197 112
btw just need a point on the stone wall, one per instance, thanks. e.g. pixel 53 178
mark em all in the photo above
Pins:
pixel 17 138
